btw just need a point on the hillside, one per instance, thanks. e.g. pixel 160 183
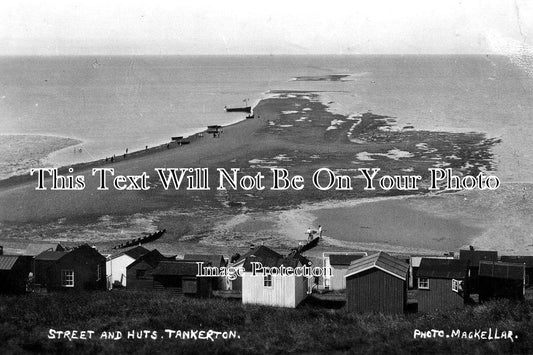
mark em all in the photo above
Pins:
pixel 25 324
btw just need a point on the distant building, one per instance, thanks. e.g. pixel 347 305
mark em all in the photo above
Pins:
pixel 377 283
pixel 140 272
pixel 273 290
pixel 441 284
pixel 116 265
pixel 501 280
pixel 82 268
pixel 527 261
pixel 34 249
pixel 14 273
pixel 338 263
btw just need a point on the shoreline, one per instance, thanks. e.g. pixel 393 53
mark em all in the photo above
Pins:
pixel 79 167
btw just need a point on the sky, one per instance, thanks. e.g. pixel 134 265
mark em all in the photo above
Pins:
pixel 134 27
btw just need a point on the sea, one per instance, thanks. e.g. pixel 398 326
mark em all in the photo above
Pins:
pixel 60 110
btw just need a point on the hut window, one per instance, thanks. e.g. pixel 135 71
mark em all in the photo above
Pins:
pixel 140 273
pixel 423 283
pixel 267 281
pixel 456 285
pixel 67 278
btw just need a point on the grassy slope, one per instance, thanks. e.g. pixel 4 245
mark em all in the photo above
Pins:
pixel 24 324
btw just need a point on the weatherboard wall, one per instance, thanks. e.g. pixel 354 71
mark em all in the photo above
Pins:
pixel 374 290
pixel 286 291
pixel 439 297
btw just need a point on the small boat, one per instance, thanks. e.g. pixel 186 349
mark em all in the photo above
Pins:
pixel 250 116
pixel 310 245
pixel 304 247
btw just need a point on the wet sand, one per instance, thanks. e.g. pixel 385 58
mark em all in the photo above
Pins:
pixel 292 130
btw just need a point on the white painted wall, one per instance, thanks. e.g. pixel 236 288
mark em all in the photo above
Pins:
pixel 116 268
pixel 286 291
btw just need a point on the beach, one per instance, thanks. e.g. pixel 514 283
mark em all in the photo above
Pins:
pixel 295 130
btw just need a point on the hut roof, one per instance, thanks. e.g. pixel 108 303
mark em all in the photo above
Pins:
pixel 382 261
pixel 135 252
pixel 500 270
pixel 260 251
pixel 517 259
pixel 442 268
pixel 214 259
pixel 51 255
pixel 152 258
pixel 475 256
pixel 271 258
pixel 343 259
pixel 7 261
pixel 37 248
pixel 183 268
pixel 416 259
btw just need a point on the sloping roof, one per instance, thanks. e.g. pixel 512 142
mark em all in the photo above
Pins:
pixel 415 260
pixel 508 271
pixel 382 261
pixel 343 259
pixel 152 258
pixel 442 268
pixel 136 252
pixel 475 256
pixel 517 259
pixel 51 255
pixel 7 261
pixel 260 252
pixel 183 268
pixel 38 248
pixel 214 259
pixel 270 258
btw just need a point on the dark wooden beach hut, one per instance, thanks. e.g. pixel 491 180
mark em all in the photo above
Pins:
pixel 441 284
pixel 140 272
pixel 472 257
pixel 14 273
pixel 527 261
pixel 414 265
pixel 377 283
pixel 216 260
pixel 181 277
pixel 501 280
pixel 82 268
